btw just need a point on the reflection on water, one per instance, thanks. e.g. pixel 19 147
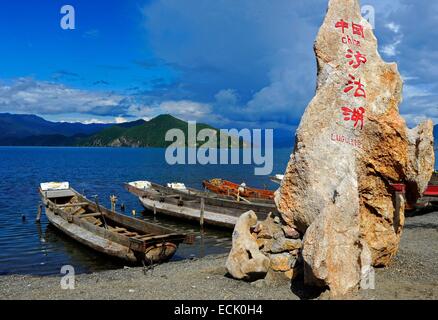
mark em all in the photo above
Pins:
pixel 52 249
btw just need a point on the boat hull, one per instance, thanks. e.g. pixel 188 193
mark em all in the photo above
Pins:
pixel 140 241
pixel 210 218
pixel 228 188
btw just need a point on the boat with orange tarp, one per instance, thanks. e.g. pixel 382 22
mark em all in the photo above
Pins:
pixel 229 188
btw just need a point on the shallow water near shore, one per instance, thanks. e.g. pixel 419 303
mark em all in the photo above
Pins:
pixel 40 249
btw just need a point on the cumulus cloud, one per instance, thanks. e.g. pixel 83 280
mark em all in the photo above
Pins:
pixel 244 63
pixel 254 61
pixel 393 27
pixel 27 95
pixel 415 53
pixel 257 54
pixel 184 109
pixel 390 49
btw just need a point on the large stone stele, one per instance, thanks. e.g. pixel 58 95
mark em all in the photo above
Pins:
pixel 338 182
pixel 245 260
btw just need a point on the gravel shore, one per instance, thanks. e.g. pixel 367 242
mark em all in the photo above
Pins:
pixel 413 275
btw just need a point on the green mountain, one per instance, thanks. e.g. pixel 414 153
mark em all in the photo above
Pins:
pixel 144 134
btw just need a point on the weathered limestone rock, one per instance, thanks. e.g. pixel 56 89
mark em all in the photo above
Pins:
pixel 282 250
pixel 285 245
pixel 351 145
pixel 282 262
pixel 332 252
pixel 245 260
pixel 421 141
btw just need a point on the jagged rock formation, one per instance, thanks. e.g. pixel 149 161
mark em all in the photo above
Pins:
pixel 264 249
pixel 351 146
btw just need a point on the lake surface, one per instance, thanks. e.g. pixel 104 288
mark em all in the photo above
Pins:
pixel 31 248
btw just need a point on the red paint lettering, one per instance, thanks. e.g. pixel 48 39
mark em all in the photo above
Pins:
pixel 360 90
pixel 356 59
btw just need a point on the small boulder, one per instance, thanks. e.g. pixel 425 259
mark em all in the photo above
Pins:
pixel 290 232
pixel 286 245
pixel 245 261
pixel 282 262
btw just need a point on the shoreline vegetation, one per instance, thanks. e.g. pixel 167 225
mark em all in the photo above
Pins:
pixel 412 275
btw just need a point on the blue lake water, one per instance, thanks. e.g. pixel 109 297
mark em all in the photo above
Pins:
pixel 30 248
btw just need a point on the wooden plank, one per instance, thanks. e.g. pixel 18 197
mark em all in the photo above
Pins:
pixel 88 215
pixel 141 236
pixel 79 211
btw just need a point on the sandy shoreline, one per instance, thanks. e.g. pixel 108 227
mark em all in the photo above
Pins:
pixel 413 275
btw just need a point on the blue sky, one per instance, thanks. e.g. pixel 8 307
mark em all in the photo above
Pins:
pixel 231 63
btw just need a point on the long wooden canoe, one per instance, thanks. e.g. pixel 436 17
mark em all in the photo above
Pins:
pixel 228 188
pixel 108 232
pixel 186 204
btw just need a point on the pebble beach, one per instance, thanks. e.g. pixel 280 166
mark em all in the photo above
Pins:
pixel 412 275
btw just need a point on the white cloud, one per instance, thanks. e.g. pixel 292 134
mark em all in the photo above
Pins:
pixel 393 27
pixel 185 109
pixel 252 59
pixel 391 49
pixel 227 97
pixel 120 120
pixel 95 121
pixel 26 95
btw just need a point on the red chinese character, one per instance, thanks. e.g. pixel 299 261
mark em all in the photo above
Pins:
pixel 355 114
pixel 360 90
pixel 359 57
pixel 342 24
pixel 358 29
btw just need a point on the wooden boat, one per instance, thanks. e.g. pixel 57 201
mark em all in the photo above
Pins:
pixel 430 195
pixel 106 231
pixel 229 188
pixel 187 203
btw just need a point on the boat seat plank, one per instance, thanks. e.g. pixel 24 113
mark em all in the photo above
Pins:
pixel 141 236
pixel 68 205
pixel 79 211
pixel 89 215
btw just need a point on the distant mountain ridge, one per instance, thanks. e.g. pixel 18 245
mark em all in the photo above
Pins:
pixel 31 130
pixel 26 125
